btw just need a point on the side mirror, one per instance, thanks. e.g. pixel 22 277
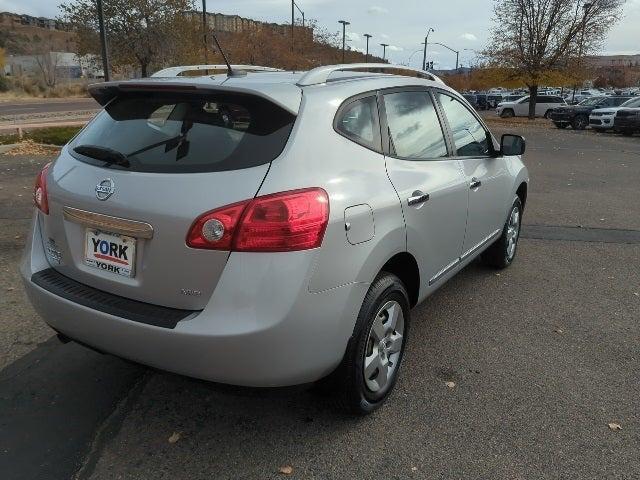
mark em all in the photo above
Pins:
pixel 512 145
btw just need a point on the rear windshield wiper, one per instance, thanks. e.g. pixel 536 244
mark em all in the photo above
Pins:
pixel 104 154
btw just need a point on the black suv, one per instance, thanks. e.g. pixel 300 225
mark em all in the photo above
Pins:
pixel 627 121
pixel 578 115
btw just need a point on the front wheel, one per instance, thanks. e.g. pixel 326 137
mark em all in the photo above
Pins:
pixel 370 366
pixel 507 113
pixel 580 122
pixel 547 114
pixel 503 251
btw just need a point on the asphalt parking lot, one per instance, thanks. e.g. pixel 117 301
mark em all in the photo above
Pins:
pixel 543 357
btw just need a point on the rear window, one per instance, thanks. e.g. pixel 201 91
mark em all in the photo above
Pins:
pixel 184 133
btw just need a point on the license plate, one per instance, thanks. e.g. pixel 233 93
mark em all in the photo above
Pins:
pixel 110 252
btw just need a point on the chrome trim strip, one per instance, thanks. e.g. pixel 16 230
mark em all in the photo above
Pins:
pixel 480 244
pixel 107 223
pixel 442 272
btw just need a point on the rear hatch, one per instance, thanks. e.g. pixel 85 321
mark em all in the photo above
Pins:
pixel 125 192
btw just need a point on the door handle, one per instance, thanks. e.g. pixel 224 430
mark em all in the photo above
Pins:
pixel 475 183
pixel 418 198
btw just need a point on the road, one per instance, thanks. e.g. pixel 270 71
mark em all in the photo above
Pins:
pixel 544 355
pixel 40 106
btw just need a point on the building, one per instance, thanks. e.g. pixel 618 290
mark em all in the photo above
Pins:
pixel 602 61
pixel 13 20
pixel 67 65
pixel 219 22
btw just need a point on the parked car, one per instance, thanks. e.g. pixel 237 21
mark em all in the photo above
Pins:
pixel 578 115
pixel 510 98
pixel 602 119
pixel 520 108
pixel 269 229
pixel 482 101
pixel 627 121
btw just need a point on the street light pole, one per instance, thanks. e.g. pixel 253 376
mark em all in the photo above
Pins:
pixel 384 50
pixel 103 42
pixel 426 41
pixel 293 12
pixel 449 48
pixel 585 10
pixel 344 34
pixel 366 57
pixel 204 29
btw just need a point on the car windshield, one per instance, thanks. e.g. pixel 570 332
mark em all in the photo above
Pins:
pixel 590 102
pixel 184 133
pixel 632 103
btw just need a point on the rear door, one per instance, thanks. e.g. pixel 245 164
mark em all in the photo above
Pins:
pixel 487 179
pixel 125 192
pixel 430 183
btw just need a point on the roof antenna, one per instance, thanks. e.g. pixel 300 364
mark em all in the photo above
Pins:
pixel 230 71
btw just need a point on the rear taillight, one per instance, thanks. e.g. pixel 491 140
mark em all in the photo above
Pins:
pixel 40 190
pixel 282 222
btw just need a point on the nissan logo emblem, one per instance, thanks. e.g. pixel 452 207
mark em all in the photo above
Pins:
pixel 105 188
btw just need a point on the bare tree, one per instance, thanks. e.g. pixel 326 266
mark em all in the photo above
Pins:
pixel 536 38
pixel 46 59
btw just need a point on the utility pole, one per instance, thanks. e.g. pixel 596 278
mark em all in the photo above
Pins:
pixel 103 42
pixel 366 56
pixel 204 30
pixel 426 42
pixel 301 12
pixel 344 34
pixel 384 50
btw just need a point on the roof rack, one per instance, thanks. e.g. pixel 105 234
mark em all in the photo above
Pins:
pixel 176 71
pixel 321 74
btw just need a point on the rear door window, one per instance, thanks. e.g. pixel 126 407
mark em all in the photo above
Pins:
pixel 184 133
pixel 415 132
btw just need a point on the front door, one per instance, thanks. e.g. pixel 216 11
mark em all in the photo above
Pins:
pixel 430 184
pixel 487 177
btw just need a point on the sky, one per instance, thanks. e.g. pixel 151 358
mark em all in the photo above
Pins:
pixel 461 24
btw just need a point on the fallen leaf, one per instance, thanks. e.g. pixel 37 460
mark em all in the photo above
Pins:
pixel 559 330
pixel 286 470
pixel 414 469
pixel 615 426
pixel 450 384
pixel 175 436
pixel 10 289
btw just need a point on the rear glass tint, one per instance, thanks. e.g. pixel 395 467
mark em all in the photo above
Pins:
pixel 186 133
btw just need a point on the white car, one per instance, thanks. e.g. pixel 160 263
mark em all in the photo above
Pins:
pixel 520 108
pixel 601 119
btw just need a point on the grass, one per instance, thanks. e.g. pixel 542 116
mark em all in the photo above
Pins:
pixel 50 136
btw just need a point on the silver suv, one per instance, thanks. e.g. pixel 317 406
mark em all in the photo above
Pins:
pixel 269 228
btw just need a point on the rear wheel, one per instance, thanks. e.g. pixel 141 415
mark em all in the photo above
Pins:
pixel 547 113
pixel 370 366
pixel 507 113
pixel 580 122
pixel 503 251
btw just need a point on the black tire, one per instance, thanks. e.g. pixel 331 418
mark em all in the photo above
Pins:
pixel 507 113
pixel 627 133
pixel 498 254
pixel 559 125
pixel 546 114
pixel 347 383
pixel 580 122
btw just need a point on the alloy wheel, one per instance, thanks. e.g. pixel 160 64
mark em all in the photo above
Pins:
pixel 513 231
pixel 384 346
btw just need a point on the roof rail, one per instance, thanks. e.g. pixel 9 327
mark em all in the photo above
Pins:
pixel 176 71
pixel 321 74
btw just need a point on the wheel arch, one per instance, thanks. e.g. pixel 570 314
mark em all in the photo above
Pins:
pixel 521 192
pixel 404 266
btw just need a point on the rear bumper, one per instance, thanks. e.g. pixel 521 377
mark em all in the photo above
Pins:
pixel 261 327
